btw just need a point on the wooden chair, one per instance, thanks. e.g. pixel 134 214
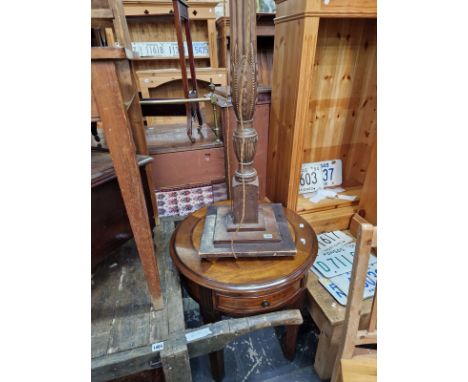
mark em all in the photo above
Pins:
pixel 351 360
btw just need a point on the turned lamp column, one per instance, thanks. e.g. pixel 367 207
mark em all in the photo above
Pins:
pixel 244 95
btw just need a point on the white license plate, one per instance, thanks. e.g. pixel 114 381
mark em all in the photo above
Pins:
pixel 343 281
pixel 311 178
pixel 329 240
pixel 336 292
pixel 335 262
pixel 318 175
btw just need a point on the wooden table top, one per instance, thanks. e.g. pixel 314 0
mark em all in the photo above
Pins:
pixel 242 274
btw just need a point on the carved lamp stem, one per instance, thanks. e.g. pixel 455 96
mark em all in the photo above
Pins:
pixel 244 95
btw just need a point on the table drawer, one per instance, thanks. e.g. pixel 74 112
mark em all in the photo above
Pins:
pixel 256 304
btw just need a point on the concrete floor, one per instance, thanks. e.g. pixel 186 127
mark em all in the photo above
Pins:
pixel 258 356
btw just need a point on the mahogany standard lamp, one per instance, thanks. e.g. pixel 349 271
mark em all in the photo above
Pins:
pixel 245 228
pixel 242 258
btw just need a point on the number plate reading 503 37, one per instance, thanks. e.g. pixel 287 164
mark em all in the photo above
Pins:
pixel 319 175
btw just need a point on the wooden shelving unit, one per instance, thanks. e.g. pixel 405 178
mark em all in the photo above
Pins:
pixel 265 41
pixel 153 21
pixel 324 97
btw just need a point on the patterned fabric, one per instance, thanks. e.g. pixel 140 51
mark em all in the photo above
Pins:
pixel 219 192
pixel 185 201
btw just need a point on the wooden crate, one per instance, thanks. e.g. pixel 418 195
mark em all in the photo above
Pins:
pixel 324 97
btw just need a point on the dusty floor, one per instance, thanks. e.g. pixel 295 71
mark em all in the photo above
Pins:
pixel 258 356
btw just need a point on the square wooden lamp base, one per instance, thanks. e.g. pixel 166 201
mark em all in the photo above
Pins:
pixel 269 237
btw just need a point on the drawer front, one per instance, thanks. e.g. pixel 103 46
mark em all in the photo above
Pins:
pixel 186 168
pixel 256 304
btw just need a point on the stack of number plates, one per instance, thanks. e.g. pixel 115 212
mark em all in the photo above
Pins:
pixel 334 263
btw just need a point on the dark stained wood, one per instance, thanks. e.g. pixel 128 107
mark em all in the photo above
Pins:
pixel 243 73
pixel 260 123
pixel 231 275
pixel 102 169
pixel 109 101
pixel 173 138
pixel 188 168
pixel 109 221
pixel 249 242
pixel 243 286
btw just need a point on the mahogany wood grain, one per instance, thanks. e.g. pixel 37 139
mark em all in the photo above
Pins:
pixel 244 286
pixel 242 276
pixel 261 124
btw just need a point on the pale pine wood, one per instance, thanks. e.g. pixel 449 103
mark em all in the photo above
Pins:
pixel 334 8
pixel 295 45
pixel 352 336
pixel 342 117
pixel 153 21
pixel 359 369
pixel 212 43
pixel 330 220
pixel 329 316
pixel 373 318
pixel 368 201
pixel 331 112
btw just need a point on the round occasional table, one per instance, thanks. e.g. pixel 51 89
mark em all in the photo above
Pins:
pixel 244 286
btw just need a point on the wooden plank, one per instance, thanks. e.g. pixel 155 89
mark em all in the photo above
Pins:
pixel 107 53
pixel 175 361
pixel 359 369
pixel 155 78
pixel 305 205
pixel 319 8
pixel 368 202
pixel 354 304
pixel 103 13
pixel 120 24
pixel 102 308
pixel 122 149
pixel 333 313
pixel 198 10
pixel 212 43
pixel 220 334
pixel 130 325
pixel 330 220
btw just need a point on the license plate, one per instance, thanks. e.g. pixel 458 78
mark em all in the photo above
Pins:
pixel 311 178
pixel 329 240
pixel 335 262
pixel 336 292
pixel 316 175
pixel 343 281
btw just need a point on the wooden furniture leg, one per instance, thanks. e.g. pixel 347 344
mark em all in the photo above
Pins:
pixel 175 361
pixel 105 82
pixel 290 341
pixel 210 315
pixel 327 350
pixel 290 338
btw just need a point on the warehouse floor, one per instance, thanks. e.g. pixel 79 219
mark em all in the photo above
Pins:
pixel 258 356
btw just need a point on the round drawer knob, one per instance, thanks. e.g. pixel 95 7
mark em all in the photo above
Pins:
pixel 265 303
